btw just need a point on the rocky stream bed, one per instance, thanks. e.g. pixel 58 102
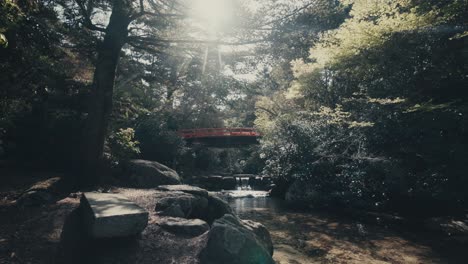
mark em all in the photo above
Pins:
pixel 41 224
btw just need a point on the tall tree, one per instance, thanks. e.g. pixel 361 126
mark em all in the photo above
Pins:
pixel 129 21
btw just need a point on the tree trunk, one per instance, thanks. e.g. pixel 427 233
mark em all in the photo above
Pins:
pixel 100 106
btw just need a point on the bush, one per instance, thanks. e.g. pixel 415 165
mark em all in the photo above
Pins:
pixel 123 145
pixel 159 141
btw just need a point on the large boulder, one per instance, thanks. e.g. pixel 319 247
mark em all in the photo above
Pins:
pixel 191 202
pixel 230 241
pixel 262 233
pixel 149 174
pixel 35 198
pixel 43 192
pixel 180 204
pixel 182 226
pixel 112 215
pixel 217 208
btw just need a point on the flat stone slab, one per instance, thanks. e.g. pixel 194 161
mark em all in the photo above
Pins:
pixel 185 188
pixel 112 215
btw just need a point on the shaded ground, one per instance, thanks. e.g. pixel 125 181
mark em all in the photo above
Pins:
pixel 154 245
pixel 318 237
pixel 34 234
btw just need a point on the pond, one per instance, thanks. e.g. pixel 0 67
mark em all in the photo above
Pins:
pixel 320 237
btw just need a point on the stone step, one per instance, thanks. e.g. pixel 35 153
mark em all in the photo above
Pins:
pixel 112 215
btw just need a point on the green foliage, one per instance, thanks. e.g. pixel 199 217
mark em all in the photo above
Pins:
pixel 123 145
pixel 41 103
pixel 379 112
pixel 306 145
pixel 10 15
pixel 251 161
pixel 158 138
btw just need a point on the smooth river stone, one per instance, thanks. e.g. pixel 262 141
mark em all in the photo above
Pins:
pixel 112 215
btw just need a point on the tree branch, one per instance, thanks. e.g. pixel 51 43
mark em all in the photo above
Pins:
pixel 147 48
pixel 86 13
pixel 273 114
pixel 294 12
pixel 156 14
pixel 194 41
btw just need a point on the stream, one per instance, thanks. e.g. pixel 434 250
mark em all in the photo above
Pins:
pixel 306 237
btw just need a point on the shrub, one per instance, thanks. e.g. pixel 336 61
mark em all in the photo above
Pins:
pixel 158 139
pixel 123 145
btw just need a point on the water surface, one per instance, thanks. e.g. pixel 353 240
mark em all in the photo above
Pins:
pixel 318 237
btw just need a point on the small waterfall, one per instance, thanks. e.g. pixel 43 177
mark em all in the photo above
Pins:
pixel 245 188
pixel 243 183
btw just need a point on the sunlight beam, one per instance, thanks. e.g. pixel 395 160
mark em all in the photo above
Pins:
pixel 215 15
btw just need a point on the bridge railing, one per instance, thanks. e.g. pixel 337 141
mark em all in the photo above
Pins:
pixel 218 132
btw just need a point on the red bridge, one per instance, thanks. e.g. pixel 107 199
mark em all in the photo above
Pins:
pixel 221 137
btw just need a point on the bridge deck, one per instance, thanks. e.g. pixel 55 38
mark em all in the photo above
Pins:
pixel 218 132
pixel 221 137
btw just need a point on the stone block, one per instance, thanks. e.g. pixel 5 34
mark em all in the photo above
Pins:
pixel 112 215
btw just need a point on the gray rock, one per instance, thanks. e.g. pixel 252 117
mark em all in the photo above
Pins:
pixel 217 208
pixel 52 185
pixel 191 206
pixel 35 198
pixel 231 242
pixel 42 192
pixel 185 188
pixel 112 215
pixel 262 233
pixel 181 204
pixel 149 174
pixel 182 226
pixel 173 210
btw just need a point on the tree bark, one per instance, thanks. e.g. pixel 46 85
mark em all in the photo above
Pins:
pixel 100 105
